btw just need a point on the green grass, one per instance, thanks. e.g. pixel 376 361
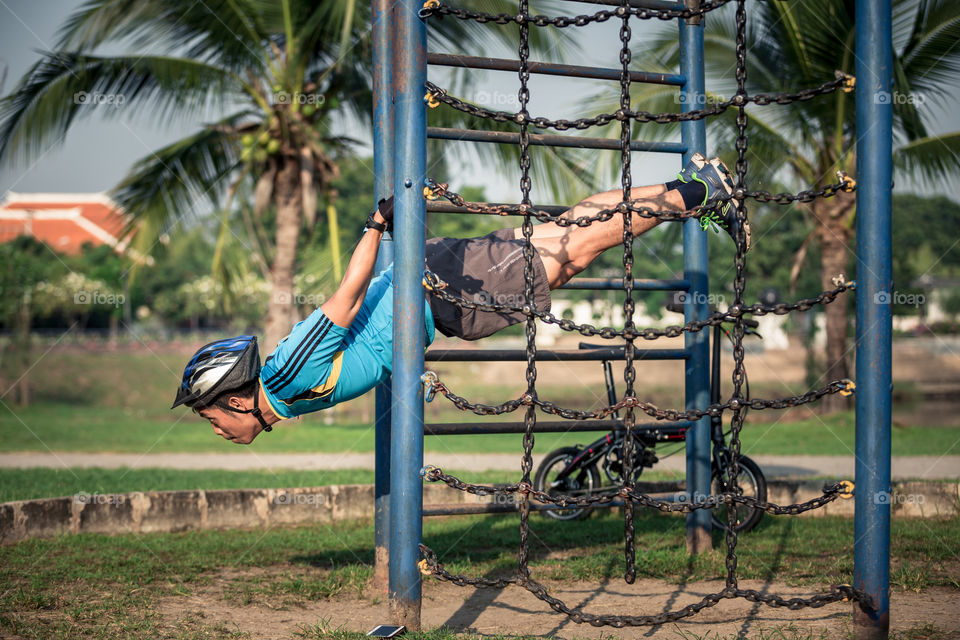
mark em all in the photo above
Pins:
pixel 33 483
pixel 61 427
pixel 102 587
pixel 29 484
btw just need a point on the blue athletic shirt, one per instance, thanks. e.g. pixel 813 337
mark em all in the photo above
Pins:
pixel 321 364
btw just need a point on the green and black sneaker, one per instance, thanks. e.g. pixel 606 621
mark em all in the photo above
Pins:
pixel 717 180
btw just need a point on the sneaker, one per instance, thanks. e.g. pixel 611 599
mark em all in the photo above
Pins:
pixel 717 180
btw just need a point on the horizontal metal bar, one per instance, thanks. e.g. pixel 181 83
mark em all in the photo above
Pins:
pixel 552 140
pixel 520 355
pixel 636 4
pixel 617 284
pixel 512 504
pixel 444 206
pixel 464 509
pixel 653 428
pixel 553 69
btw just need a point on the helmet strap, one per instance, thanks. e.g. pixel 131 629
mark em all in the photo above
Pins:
pixel 257 413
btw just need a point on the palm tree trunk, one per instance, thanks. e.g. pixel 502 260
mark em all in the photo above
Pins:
pixel 834 231
pixel 280 313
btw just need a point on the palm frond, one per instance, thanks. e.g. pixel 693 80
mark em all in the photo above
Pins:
pixel 931 58
pixel 170 185
pixel 64 86
pixel 933 157
pixel 227 33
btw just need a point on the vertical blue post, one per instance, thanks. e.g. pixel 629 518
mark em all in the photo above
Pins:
pixel 871 556
pixel 697 390
pixel 381 15
pixel 410 159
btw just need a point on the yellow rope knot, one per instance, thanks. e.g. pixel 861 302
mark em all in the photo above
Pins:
pixel 432 98
pixel 849 184
pixel 846 489
pixel 430 381
pixel 849 386
pixel 432 282
pixel 433 190
pixel 846 593
pixel 849 82
pixel 839 280
pixel 424 567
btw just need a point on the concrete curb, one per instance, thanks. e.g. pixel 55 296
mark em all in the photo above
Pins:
pixel 171 511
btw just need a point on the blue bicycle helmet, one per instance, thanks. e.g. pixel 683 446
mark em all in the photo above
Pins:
pixel 217 367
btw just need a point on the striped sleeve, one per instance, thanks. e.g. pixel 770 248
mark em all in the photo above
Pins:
pixel 305 358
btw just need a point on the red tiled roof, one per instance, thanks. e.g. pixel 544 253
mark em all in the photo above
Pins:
pixel 64 222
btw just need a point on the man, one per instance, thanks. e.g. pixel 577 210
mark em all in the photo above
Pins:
pixel 344 348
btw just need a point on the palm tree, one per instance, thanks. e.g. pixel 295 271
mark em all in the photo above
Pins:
pixel 794 45
pixel 286 73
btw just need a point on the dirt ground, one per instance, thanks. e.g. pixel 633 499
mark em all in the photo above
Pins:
pixel 514 611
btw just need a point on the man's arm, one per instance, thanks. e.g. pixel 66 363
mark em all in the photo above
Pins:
pixel 343 306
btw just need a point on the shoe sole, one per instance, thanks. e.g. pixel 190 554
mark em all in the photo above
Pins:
pixel 725 172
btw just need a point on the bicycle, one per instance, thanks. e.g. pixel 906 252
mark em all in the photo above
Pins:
pixel 574 470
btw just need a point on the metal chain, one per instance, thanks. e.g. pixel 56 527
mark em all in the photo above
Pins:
pixel 629 370
pixel 435 287
pixel 524 19
pixel 837 593
pixel 440 190
pixel 728 498
pixel 841 81
pixel 530 326
pixel 630 402
pixel 739 285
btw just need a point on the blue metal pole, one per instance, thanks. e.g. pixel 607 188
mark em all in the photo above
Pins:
pixel 381 16
pixel 871 555
pixel 410 157
pixel 697 389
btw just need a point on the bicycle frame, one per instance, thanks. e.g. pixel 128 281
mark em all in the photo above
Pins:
pixel 649 437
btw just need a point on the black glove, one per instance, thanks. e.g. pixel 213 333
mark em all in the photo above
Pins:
pixel 386 210
pixel 385 207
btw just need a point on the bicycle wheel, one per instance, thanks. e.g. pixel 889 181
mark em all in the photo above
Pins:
pixel 750 482
pixel 579 483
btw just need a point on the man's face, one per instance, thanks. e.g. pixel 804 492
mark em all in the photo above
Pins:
pixel 240 428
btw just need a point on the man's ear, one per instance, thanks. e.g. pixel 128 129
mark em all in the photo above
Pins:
pixel 236 402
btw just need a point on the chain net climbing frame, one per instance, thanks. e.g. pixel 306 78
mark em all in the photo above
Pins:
pixel 529 401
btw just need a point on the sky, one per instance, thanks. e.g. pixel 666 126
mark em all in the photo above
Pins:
pixel 99 151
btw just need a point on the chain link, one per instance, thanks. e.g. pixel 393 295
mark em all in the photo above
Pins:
pixel 437 94
pixel 631 402
pixel 435 287
pixel 439 190
pixel 524 19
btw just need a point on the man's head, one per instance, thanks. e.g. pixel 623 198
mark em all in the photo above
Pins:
pixel 220 384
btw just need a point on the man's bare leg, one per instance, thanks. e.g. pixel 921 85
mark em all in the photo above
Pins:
pixel 566 251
